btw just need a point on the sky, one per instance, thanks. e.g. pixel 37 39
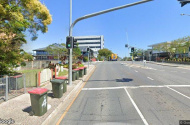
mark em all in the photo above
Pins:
pixel 139 26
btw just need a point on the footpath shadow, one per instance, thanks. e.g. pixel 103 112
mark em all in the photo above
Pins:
pixel 117 80
pixel 50 95
pixel 28 110
pixel 124 80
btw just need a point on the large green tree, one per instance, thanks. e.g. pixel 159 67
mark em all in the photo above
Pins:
pixel 58 50
pixel 17 17
pixel 104 53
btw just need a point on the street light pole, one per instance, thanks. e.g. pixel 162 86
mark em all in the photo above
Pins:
pixel 89 16
pixel 70 50
pixel 184 14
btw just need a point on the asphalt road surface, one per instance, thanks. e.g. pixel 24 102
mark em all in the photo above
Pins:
pixel 132 94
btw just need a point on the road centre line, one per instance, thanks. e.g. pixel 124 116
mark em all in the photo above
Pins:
pixel 136 107
pixel 178 92
pixel 150 78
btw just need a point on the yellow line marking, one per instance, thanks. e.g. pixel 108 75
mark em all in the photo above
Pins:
pixel 63 115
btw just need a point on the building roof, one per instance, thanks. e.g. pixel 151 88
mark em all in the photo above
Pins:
pixel 86 37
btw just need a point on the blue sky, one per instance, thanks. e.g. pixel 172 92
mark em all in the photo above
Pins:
pixel 140 25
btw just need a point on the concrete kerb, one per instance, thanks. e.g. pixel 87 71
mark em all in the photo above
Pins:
pixel 46 121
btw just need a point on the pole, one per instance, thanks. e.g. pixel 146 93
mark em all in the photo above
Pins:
pixel 70 50
pixel 89 16
pixel 88 60
pixel 7 89
pixel 105 11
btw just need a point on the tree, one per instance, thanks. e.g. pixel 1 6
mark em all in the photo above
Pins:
pixel 58 50
pixel 17 17
pixel 27 56
pixel 76 53
pixel 104 52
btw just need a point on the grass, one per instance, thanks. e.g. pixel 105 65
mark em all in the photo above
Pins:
pixel 30 70
pixel 63 73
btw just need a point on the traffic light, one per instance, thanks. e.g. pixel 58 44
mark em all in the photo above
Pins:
pixel 88 49
pixel 126 45
pixel 184 2
pixel 69 42
pixel 150 52
pixel 132 49
pixel 74 43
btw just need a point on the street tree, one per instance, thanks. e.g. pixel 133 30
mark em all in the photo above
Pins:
pixel 104 52
pixel 76 53
pixel 16 18
pixel 58 50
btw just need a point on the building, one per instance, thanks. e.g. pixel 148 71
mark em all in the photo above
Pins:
pixel 95 43
pixel 42 54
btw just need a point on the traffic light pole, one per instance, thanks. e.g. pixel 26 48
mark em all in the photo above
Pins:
pixel 70 50
pixel 89 16
pixel 88 60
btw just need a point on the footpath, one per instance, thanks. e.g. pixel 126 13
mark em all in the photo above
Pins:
pixel 169 64
pixel 18 109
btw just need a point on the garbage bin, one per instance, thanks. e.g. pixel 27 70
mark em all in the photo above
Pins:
pixel 38 99
pixel 64 79
pixel 73 75
pixel 77 74
pixel 57 88
pixel 85 70
pixel 81 71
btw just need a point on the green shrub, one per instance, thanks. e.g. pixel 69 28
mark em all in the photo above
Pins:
pixel 81 65
pixel 23 64
pixel 74 66
pixel 66 66
pixel 85 59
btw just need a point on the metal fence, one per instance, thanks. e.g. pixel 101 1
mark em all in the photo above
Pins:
pixel 12 86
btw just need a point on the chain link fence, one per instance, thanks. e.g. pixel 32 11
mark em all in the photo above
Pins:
pixel 12 86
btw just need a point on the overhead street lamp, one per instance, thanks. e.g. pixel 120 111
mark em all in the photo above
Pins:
pixel 89 16
pixel 184 14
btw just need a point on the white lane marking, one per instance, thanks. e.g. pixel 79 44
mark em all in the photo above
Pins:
pixel 177 85
pixel 179 92
pixel 136 87
pixel 150 78
pixel 136 107
pixel 136 71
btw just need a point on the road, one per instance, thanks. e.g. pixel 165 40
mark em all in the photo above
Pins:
pixel 130 94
